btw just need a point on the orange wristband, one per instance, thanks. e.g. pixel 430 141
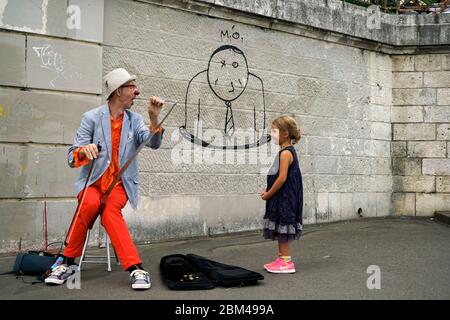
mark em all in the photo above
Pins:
pixel 155 131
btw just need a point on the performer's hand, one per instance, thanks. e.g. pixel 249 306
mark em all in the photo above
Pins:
pixel 155 105
pixel 265 195
pixel 90 151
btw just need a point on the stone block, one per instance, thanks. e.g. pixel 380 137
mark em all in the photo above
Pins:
pixel 371 184
pixel 165 217
pixel 414 131
pixel 398 149
pixel 402 63
pixel 384 204
pixel 381 131
pixel 45 117
pixel 374 148
pixel 413 184
pixel 12 60
pixel 428 62
pixel 444 36
pixel 266 7
pixel 404 204
pixel 443 184
pixel 17 213
pixel 77 19
pixel 354 165
pixel 35 16
pixel 340 206
pixel 411 97
pixel 27 169
pixel 319 146
pixel 364 205
pixel 437 114
pixel 406 166
pixel 407 80
pixel 12 165
pixel 381 166
pixel 202 160
pixel 427 204
pixel 64 65
pixel 90 27
pixel 443 131
pixel 429 149
pixel 201 184
pixel 377 113
pixel 28 214
pixel 309 208
pixel 333 183
pixel 407 114
pixel 325 165
pixel 446 62
pixel 437 79
pixel 443 96
pixel 437 167
pixel 322 209
pixel 430 34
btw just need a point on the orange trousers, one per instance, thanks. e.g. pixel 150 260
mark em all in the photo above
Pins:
pixel 111 218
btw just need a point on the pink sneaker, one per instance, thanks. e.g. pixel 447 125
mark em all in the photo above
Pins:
pixel 279 266
pixel 273 263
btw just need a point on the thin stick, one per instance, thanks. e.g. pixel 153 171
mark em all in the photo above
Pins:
pixel 45 234
pixel 129 161
pixel 80 203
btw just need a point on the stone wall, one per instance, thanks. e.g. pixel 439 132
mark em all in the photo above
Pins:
pixel 421 134
pixel 50 74
pixel 340 95
pixel 372 104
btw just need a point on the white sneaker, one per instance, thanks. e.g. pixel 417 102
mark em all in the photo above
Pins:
pixel 140 280
pixel 60 274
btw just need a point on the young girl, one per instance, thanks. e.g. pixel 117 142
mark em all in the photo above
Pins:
pixel 284 195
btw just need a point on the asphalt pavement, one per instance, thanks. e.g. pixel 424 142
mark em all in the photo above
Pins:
pixel 377 258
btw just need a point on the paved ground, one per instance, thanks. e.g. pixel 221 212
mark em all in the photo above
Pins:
pixel 332 260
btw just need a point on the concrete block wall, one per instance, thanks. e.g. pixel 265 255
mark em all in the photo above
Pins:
pixel 340 95
pixel 421 126
pixel 356 22
pixel 50 73
pixel 375 138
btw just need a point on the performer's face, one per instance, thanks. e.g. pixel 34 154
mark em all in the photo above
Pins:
pixel 228 73
pixel 129 92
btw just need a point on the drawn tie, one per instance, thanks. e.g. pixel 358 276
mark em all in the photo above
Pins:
pixel 229 122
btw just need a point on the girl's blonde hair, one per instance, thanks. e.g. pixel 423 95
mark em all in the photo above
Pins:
pixel 289 125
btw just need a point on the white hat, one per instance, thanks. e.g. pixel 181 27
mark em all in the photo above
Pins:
pixel 115 79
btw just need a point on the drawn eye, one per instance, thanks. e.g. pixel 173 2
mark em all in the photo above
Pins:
pixel 223 63
pixel 235 64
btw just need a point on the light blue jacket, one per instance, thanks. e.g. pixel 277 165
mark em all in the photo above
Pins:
pixel 96 128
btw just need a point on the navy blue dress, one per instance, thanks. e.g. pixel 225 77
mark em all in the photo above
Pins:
pixel 283 218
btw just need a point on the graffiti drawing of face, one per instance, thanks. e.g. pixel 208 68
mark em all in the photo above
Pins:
pixel 228 72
